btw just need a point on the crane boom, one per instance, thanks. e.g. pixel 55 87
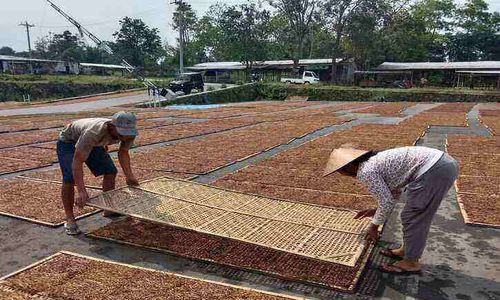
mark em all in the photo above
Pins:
pixel 83 31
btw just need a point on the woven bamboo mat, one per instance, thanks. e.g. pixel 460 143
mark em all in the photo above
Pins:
pixel 318 232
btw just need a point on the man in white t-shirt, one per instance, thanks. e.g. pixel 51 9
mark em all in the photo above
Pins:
pixel 86 141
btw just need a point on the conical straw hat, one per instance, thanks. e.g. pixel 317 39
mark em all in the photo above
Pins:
pixel 341 157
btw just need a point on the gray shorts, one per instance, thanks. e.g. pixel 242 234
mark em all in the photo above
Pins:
pixel 424 195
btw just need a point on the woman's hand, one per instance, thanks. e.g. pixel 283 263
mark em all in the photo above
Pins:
pixel 132 181
pixel 367 213
pixel 372 233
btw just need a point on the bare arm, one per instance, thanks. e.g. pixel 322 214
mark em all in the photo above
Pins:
pixel 124 159
pixel 77 167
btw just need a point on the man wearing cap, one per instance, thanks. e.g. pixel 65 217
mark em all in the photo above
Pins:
pixel 426 174
pixel 86 141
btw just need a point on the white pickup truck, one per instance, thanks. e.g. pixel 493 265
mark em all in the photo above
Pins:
pixel 308 77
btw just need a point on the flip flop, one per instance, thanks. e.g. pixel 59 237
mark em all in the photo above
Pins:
pixel 398 270
pixel 71 229
pixel 388 253
pixel 111 215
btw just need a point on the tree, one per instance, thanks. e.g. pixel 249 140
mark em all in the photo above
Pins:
pixel 185 19
pixel 280 41
pixel 299 15
pixel 7 51
pixel 244 32
pixel 60 46
pixel 337 14
pixel 477 37
pixel 138 44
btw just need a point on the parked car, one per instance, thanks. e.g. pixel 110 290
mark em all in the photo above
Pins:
pixel 186 82
pixel 308 77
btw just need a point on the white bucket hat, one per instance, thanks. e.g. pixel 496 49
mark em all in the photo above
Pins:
pixel 125 122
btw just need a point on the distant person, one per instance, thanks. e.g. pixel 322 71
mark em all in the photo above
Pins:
pixel 423 82
pixel 86 141
pixel 427 174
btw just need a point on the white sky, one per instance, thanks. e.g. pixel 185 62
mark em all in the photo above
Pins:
pixel 100 17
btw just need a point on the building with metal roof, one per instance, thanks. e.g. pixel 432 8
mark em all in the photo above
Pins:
pixel 273 69
pixel 460 74
pixel 23 65
pixel 236 65
pixel 459 65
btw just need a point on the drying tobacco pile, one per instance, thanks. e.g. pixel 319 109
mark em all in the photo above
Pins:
pixel 66 275
pixel 36 200
pixel 478 185
pixel 229 252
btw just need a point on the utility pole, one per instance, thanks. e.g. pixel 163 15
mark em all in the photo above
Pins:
pixel 180 5
pixel 28 26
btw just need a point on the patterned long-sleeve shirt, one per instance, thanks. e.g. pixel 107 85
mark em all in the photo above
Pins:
pixel 386 173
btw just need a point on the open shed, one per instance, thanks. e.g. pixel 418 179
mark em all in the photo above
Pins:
pixel 273 70
pixel 101 69
pixel 23 65
pixel 442 73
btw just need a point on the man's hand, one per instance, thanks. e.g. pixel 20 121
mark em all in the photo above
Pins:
pixel 132 181
pixel 372 235
pixel 367 213
pixel 82 199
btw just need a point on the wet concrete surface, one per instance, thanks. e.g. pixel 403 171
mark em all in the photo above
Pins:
pixel 460 262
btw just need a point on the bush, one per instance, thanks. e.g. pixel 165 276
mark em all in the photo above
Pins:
pixel 14 90
pixel 277 91
pixel 246 92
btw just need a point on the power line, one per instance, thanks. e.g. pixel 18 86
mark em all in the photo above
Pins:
pixel 151 11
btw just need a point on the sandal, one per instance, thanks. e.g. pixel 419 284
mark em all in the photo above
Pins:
pixel 388 253
pixel 71 229
pixel 397 270
pixel 111 214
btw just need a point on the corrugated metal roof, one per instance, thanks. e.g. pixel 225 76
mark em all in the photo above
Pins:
pixel 236 65
pixel 17 58
pixel 106 66
pixel 440 65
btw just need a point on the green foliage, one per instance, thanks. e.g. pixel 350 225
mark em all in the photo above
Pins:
pixel 60 46
pixel 80 79
pixel 43 87
pixel 370 31
pixel 243 31
pixel 299 17
pixel 14 90
pixel 436 78
pixel 138 44
pixel 246 92
pixel 477 37
pixel 7 51
pixel 342 93
pixel 276 91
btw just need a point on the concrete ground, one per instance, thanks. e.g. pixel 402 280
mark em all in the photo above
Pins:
pixel 75 107
pixel 460 262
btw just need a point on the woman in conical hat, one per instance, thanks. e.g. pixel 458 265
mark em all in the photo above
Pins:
pixel 426 174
